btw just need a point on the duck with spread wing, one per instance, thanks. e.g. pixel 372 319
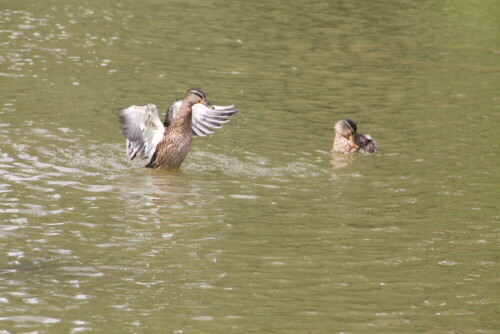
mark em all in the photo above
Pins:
pixel 167 144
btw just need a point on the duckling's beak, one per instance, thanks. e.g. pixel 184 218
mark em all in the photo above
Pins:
pixel 351 140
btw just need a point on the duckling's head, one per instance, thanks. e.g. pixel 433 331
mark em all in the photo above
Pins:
pixel 195 96
pixel 347 128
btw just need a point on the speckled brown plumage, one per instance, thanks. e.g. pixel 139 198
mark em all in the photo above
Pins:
pixel 343 145
pixel 347 140
pixel 174 147
pixel 167 144
pixel 365 142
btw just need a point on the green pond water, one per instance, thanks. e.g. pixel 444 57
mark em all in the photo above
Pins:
pixel 263 229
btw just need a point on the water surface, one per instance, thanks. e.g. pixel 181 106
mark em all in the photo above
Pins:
pixel 262 230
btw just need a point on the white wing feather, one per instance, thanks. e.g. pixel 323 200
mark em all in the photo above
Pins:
pixel 142 129
pixel 205 119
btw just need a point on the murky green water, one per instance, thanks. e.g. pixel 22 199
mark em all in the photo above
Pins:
pixel 262 230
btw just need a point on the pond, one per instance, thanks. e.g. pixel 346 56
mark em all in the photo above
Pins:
pixel 263 229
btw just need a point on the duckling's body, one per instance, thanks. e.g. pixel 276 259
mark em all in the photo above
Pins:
pixel 347 140
pixel 167 144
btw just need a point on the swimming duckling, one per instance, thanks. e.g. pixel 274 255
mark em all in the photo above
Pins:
pixel 167 144
pixel 347 140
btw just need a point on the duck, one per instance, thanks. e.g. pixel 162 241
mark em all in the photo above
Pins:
pixel 347 140
pixel 166 144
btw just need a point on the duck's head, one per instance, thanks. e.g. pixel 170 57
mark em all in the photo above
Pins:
pixel 195 96
pixel 347 128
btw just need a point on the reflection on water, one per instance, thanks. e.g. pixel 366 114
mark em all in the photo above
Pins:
pixel 263 229
pixel 341 160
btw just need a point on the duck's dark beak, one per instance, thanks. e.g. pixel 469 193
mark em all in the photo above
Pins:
pixel 207 104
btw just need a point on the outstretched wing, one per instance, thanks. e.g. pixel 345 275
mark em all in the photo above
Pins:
pixel 142 129
pixel 205 119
